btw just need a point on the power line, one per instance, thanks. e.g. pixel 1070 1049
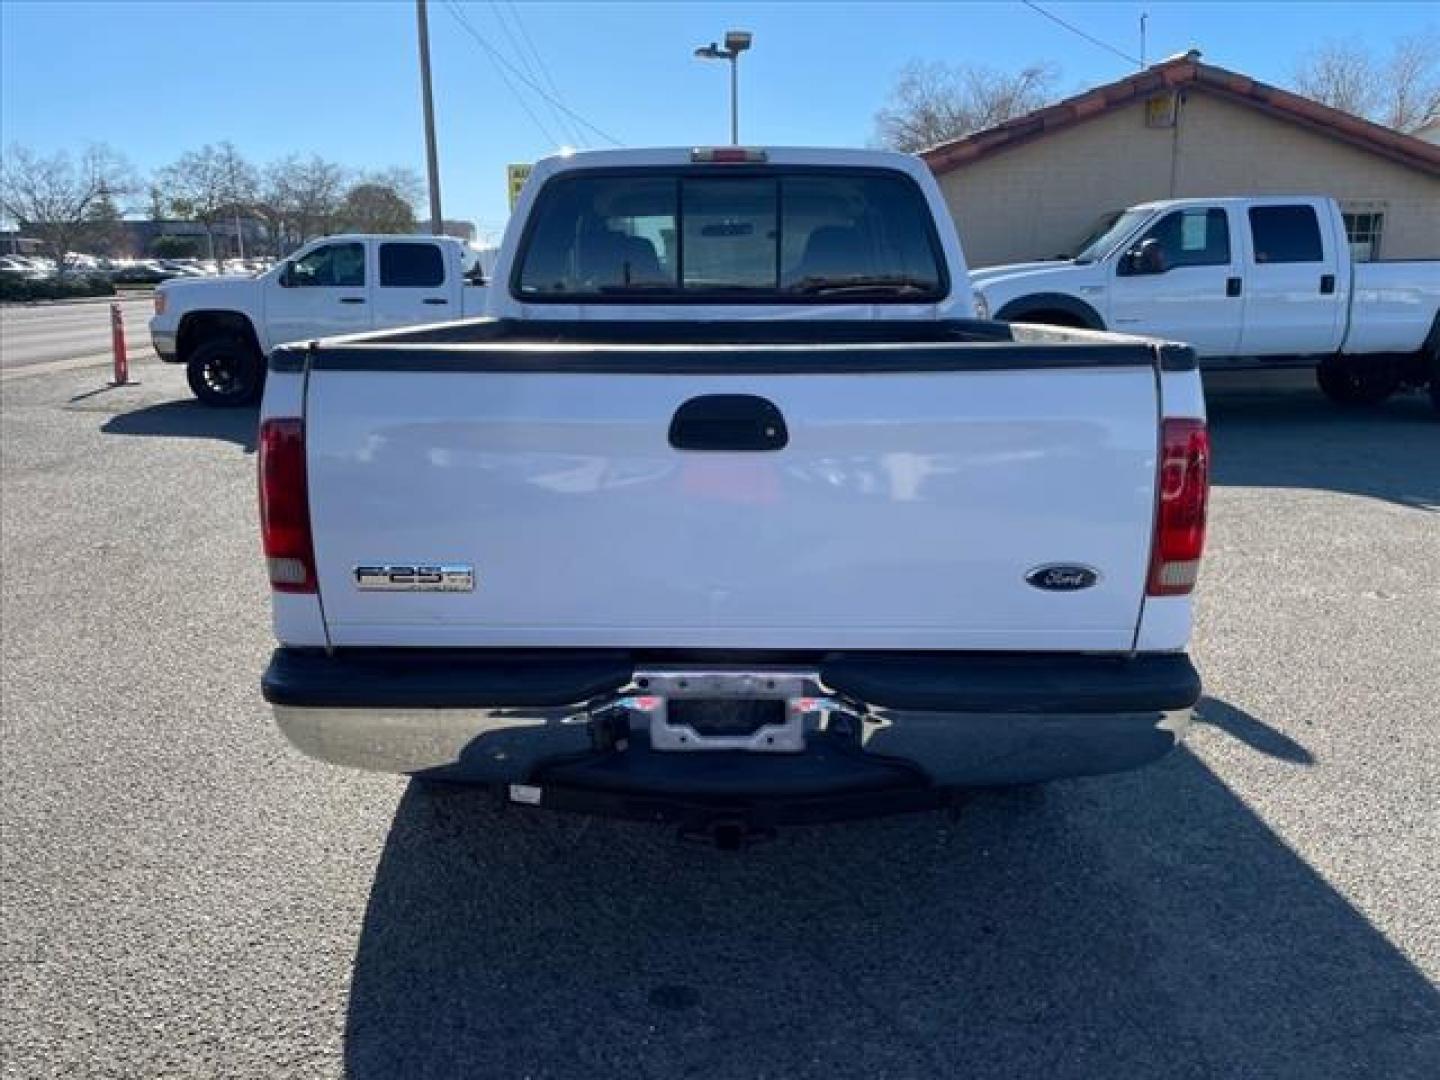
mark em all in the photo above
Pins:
pixel 567 127
pixel 456 14
pixel 499 58
pixel 539 60
pixel 1076 30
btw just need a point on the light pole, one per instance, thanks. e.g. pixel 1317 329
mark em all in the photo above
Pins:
pixel 736 42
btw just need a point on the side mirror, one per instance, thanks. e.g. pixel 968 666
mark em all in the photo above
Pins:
pixel 284 276
pixel 1148 258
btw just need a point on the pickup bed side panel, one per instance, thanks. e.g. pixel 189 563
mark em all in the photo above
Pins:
pixel 1393 306
pixel 904 511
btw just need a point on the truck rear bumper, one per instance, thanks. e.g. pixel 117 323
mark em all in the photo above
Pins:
pixel 907 725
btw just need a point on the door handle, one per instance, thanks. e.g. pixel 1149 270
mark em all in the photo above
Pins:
pixel 1232 286
pixel 1327 283
pixel 352 299
pixel 735 422
pixel 435 300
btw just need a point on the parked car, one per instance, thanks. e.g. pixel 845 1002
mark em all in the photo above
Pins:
pixel 729 516
pixel 222 328
pixel 142 273
pixel 1249 282
pixel 13 266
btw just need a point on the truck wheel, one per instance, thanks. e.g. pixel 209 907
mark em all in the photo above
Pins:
pixel 1361 382
pixel 226 371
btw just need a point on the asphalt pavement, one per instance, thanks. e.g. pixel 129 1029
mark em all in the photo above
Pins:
pixel 183 895
pixel 69 333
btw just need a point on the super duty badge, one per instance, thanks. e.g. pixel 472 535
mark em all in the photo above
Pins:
pixel 417 577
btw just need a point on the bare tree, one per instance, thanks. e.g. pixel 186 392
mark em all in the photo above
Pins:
pixel 210 185
pixel 300 197
pixel 1400 90
pixel 1413 79
pixel 935 102
pixel 60 201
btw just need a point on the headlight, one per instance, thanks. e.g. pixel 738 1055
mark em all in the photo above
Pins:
pixel 982 306
pixel 159 302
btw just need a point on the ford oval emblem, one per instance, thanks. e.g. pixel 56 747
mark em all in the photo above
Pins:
pixel 1062 577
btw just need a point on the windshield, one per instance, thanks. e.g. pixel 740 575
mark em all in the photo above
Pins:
pixel 1103 244
pixel 718 237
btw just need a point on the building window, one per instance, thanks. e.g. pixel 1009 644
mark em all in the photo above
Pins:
pixel 1362 230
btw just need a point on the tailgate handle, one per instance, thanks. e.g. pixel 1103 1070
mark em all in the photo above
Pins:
pixel 731 422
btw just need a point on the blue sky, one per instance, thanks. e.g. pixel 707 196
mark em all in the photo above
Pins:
pixel 340 79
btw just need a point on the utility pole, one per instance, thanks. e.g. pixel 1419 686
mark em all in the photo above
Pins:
pixel 432 161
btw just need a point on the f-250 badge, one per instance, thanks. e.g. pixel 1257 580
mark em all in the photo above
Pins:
pixel 416 577
pixel 1062 577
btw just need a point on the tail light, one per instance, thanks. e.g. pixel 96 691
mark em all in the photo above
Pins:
pixel 285 506
pixel 1184 483
pixel 159 302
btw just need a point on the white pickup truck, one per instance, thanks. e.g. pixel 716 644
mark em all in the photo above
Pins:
pixel 731 517
pixel 1247 282
pixel 222 328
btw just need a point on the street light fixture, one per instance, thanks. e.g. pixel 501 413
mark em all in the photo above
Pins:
pixel 736 42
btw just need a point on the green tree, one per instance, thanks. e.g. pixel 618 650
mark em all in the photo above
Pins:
pixel 106 230
pixel 376 208
pixel 175 247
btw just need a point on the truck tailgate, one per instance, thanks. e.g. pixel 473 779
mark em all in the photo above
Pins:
pixel 905 510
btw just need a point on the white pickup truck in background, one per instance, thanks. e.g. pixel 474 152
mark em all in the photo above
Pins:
pixel 732 517
pixel 222 328
pixel 1248 283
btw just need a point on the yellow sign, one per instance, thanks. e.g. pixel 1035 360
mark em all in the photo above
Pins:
pixel 516 175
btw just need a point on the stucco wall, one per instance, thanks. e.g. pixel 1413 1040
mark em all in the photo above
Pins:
pixel 1034 200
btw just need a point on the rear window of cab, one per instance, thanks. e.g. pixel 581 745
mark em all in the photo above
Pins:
pixel 721 236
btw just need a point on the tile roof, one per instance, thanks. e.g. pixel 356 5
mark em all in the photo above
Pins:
pixel 1180 72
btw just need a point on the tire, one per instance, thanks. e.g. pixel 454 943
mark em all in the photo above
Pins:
pixel 226 372
pixel 1352 383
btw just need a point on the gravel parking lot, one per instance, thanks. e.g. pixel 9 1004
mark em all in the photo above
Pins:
pixel 185 896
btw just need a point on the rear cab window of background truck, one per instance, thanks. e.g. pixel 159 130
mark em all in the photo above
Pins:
pixel 411 265
pixel 766 235
pixel 1286 234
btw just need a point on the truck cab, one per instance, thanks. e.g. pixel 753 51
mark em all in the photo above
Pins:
pixel 222 328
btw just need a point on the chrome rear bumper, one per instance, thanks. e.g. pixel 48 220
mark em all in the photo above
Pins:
pixel 509 746
pixel 624 734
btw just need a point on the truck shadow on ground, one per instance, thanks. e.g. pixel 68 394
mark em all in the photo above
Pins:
pixel 1148 924
pixel 188 420
pixel 1271 431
